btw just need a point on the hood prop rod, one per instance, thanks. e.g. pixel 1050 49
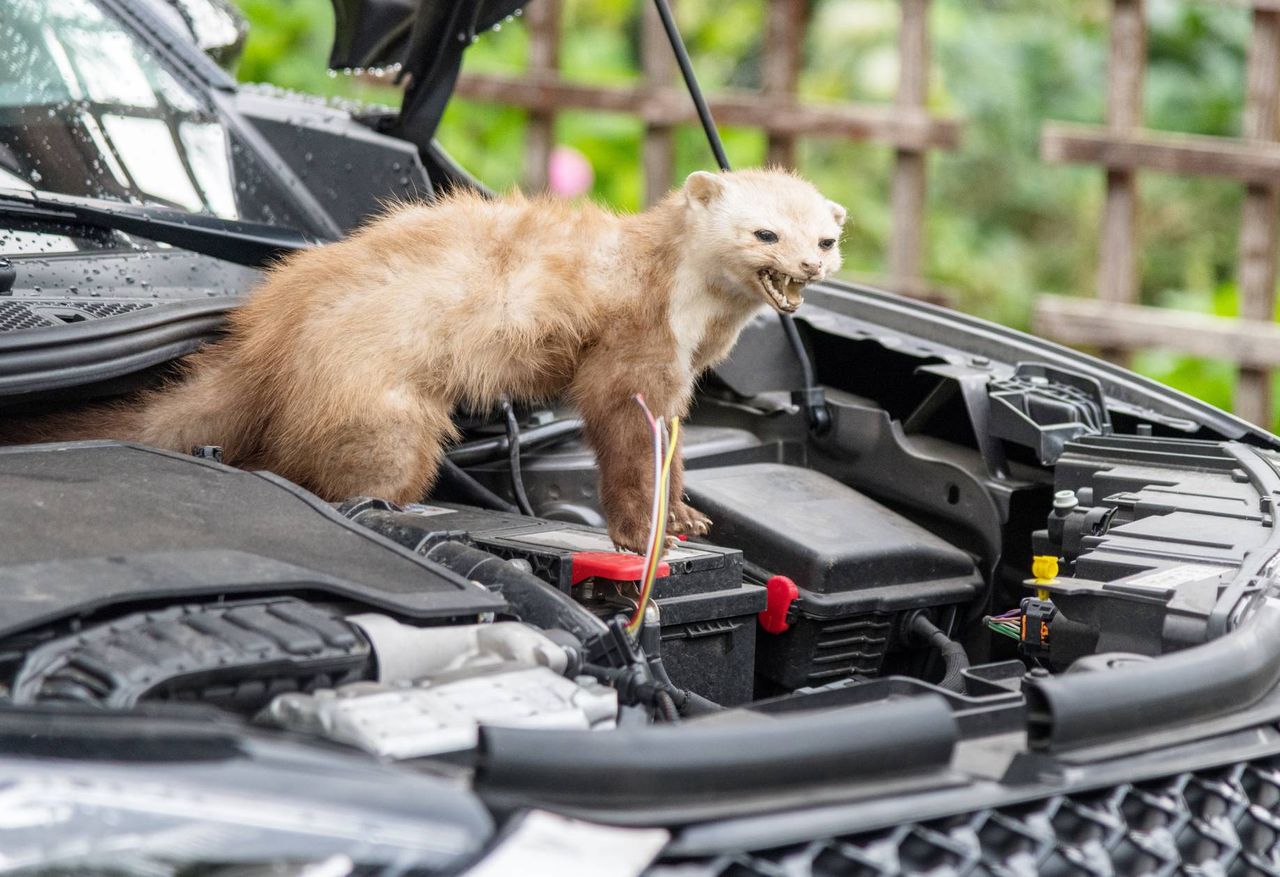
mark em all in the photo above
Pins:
pixel 811 398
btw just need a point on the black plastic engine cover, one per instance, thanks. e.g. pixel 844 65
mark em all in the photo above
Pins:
pixel 92 525
pixel 850 553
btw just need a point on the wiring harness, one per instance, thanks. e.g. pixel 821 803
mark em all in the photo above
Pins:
pixel 664 451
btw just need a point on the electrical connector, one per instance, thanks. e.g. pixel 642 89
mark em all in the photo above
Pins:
pixel 1035 626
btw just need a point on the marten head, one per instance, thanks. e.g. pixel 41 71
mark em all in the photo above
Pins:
pixel 765 233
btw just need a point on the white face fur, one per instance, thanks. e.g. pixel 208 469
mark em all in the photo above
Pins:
pixel 767 233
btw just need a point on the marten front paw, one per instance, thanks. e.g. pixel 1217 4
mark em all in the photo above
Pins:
pixel 630 534
pixel 688 521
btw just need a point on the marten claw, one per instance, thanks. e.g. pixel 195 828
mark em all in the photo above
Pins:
pixel 688 521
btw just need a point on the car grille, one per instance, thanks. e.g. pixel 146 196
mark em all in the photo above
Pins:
pixel 1223 821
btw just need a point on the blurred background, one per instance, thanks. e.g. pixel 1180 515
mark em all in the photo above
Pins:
pixel 1001 226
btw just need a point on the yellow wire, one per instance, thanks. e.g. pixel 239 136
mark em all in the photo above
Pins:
pixel 658 545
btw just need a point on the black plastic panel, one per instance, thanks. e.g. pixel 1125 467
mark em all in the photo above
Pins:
pixel 97 524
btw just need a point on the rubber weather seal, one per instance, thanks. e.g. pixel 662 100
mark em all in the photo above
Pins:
pixel 673 766
pixel 79 353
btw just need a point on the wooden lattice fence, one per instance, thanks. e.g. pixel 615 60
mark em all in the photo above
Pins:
pixel 906 126
pixel 1114 322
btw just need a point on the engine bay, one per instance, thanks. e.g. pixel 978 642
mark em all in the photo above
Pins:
pixel 964 531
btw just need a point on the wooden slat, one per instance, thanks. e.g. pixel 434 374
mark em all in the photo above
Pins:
pixel 543 22
pixel 1089 322
pixel 1117 277
pixel 1191 154
pixel 906 244
pixel 783 54
pixel 887 124
pixel 1257 272
pixel 658 154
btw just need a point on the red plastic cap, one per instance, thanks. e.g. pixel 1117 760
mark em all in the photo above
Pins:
pixel 780 592
pixel 612 565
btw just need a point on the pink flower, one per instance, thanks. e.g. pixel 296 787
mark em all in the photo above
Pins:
pixel 569 173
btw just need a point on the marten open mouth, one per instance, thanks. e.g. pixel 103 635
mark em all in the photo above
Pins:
pixel 782 290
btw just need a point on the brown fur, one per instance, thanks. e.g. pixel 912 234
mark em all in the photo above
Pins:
pixel 342 369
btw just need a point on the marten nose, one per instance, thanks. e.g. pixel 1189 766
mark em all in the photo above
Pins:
pixel 811 268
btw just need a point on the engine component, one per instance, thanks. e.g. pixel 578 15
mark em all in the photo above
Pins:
pixel 563 481
pixel 235 655
pixel 1151 531
pixel 858 566
pixel 708 614
pixel 1043 408
pixel 444 713
pixel 404 652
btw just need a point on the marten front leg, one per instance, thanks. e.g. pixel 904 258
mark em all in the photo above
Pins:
pixel 617 431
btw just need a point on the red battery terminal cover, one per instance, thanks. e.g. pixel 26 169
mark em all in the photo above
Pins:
pixel 781 593
pixel 611 565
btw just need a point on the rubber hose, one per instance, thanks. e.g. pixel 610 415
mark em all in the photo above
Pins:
pixel 954 658
pixel 669 764
pixel 667 707
pixel 697 705
pixel 533 600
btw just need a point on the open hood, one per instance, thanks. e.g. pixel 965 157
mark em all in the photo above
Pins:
pixel 425 37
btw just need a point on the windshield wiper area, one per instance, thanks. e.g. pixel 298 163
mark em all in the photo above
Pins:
pixel 244 243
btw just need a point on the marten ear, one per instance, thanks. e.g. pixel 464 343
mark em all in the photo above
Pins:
pixel 838 212
pixel 703 187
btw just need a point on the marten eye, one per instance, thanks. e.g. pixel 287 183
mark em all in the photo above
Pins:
pixel 766 236
pixel 826 243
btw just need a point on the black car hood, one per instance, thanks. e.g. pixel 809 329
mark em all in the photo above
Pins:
pixel 92 526
pixel 378 33
pixel 426 38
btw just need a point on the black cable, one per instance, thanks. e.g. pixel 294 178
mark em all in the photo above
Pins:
pixel 455 484
pixel 953 654
pixel 811 397
pixel 488 449
pixel 513 456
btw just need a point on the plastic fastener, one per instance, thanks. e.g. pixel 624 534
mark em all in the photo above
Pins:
pixel 614 566
pixel 780 593
pixel 1044 567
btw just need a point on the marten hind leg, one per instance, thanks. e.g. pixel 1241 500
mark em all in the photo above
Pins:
pixel 390 449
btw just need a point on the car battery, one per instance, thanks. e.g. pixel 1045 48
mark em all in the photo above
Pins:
pixel 856 570
pixel 708 614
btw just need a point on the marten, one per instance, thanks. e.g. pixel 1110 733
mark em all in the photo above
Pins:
pixel 342 369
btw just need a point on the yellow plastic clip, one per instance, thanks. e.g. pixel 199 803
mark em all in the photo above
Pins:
pixel 1044 567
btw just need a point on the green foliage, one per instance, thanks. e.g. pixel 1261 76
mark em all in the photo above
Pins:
pixel 1002 226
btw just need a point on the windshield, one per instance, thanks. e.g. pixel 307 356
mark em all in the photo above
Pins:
pixel 86 109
